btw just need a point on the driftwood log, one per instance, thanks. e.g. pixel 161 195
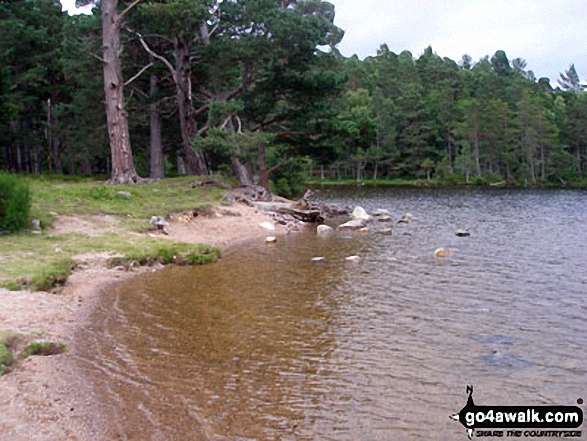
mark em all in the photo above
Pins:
pixel 283 209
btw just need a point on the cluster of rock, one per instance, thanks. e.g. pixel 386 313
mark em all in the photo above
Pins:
pixel 361 219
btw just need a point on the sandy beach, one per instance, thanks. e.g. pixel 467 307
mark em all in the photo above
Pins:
pixel 46 398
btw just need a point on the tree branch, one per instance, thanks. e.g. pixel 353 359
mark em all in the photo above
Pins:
pixel 123 13
pixel 153 54
pixel 279 164
pixel 138 74
pixel 163 37
pixel 227 120
pixel 240 125
pixel 98 57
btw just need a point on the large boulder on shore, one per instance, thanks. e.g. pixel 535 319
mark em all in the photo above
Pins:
pixel 359 213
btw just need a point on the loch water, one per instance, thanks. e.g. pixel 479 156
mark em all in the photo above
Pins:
pixel 266 345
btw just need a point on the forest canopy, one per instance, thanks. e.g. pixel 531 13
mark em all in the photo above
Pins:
pixel 257 89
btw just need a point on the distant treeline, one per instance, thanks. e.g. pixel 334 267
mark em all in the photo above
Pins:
pixel 241 88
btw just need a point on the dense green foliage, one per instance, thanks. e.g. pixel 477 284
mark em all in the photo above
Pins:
pixel 244 85
pixel 477 122
pixel 15 203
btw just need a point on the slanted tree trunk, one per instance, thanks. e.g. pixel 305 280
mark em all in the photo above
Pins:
pixel 241 172
pixel 123 169
pixel 157 169
pixel 187 118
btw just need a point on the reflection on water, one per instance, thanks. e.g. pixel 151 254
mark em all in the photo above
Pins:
pixel 267 345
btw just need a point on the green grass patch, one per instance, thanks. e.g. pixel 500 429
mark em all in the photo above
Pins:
pixel 44 261
pixel 172 253
pixel 44 348
pixel 6 357
pixel 95 197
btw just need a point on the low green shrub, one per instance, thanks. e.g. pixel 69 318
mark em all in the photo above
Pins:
pixel 44 348
pixel 15 203
pixel 5 357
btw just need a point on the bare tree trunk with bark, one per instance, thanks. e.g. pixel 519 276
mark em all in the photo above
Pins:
pixel 123 170
pixel 157 168
pixel 187 117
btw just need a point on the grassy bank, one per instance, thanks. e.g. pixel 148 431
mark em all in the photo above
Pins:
pixel 113 220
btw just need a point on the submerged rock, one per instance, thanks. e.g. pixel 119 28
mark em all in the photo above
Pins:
pixel 381 212
pixel 267 226
pixel 441 252
pixel 462 233
pixel 324 229
pixel 386 232
pixel 364 230
pixel 385 219
pixel 352 225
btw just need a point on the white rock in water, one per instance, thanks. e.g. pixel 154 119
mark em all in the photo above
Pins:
pixel 324 229
pixel 462 233
pixel 318 260
pixel 381 212
pixel 364 230
pixel 385 219
pixel 359 213
pixel 271 239
pixel 386 232
pixel 352 225
pixel 353 259
pixel 267 226
pixel 406 219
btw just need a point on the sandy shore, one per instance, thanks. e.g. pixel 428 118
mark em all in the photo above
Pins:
pixel 46 398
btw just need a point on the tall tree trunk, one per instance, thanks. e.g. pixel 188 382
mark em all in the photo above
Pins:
pixel 187 118
pixel 263 170
pixel 157 168
pixel 542 162
pixel 476 150
pixel 123 169
pixel 55 143
pixel 579 167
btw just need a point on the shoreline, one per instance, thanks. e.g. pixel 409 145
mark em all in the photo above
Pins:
pixel 46 398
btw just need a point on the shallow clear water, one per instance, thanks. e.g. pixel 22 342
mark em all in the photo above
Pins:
pixel 266 345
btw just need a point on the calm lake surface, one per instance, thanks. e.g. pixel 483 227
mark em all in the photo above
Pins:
pixel 265 345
